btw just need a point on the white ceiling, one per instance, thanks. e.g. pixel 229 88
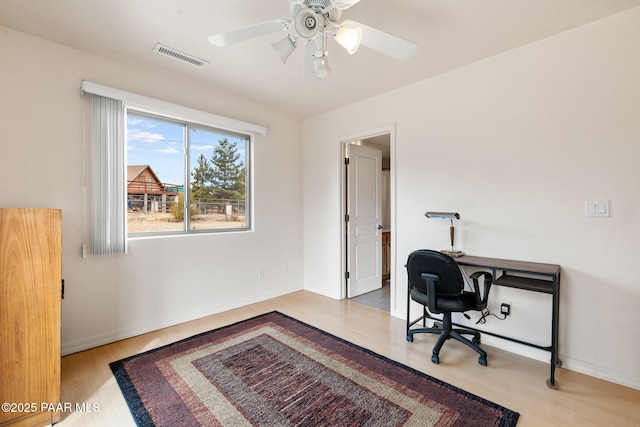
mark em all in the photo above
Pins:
pixel 449 34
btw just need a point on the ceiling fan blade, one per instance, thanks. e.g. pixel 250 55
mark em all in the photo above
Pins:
pixel 310 49
pixel 386 43
pixel 242 34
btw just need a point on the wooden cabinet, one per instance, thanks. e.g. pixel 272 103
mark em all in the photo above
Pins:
pixel 30 304
pixel 386 254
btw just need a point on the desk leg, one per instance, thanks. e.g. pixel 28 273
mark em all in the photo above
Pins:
pixel 555 318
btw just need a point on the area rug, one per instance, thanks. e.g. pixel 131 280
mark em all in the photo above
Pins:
pixel 273 370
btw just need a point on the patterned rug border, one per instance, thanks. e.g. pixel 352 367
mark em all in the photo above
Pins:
pixel 142 416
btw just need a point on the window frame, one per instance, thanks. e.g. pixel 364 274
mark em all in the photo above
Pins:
pixel 189 125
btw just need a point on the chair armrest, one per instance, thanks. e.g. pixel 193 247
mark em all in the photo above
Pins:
pixel 488 279
pixel 430 280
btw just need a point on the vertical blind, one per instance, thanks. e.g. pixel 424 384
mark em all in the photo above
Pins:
pixel 109 191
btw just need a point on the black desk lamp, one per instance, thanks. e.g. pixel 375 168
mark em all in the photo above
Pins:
pixel 450 216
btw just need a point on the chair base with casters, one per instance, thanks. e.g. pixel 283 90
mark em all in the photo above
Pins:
pixel 447 331
pixel 435 281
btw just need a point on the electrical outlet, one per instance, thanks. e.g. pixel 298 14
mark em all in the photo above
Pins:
pixel 505 308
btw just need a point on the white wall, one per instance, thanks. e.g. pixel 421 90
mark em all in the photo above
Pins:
pixel 516 144
pixel 161 281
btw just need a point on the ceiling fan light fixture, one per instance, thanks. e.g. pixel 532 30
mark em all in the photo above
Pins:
pixel 285 47
pixel 349 36
pixel 311 23
pixel 321 67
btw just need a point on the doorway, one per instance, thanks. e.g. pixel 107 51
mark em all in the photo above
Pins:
pixel 383 295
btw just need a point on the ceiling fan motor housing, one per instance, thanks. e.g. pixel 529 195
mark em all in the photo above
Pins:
pixel 331 13
pixel 296 5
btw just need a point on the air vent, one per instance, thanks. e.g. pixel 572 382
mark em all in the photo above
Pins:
pixel 179 56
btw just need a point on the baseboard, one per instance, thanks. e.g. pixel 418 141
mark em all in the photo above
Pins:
pixel 603 373
pixel 323 292
pixel 519 349
pixel 596 371
pixel 160 323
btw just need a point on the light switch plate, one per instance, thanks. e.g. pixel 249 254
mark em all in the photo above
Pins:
pixel 596 208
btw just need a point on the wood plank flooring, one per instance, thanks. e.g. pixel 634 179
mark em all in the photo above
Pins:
pixel 515 382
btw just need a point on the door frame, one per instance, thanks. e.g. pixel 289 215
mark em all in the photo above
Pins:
pixel 342 143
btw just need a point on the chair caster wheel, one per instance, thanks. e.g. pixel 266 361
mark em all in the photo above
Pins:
pixel 482 361
pixel 435 359
pixel 410 338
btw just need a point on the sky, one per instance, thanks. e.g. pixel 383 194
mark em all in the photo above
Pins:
pixel 159 144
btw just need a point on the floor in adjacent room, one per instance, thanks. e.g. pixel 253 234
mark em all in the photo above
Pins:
pixel 380 298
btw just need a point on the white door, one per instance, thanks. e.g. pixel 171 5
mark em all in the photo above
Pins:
pixel 364 236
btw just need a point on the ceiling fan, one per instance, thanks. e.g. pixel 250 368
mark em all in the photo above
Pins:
pixel 313 21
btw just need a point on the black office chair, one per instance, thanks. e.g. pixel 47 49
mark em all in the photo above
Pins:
pixel 436 282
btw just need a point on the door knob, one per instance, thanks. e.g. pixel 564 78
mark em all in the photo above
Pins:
pixel 379 227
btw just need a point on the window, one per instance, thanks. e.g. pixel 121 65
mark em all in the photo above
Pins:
pixel 184 177
pixel 216 187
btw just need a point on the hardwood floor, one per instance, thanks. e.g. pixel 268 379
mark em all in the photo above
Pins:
pixel 513 381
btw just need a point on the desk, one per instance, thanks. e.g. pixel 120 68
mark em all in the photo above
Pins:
pixel 546 279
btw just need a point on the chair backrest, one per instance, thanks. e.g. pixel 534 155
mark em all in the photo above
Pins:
pixel 422 261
